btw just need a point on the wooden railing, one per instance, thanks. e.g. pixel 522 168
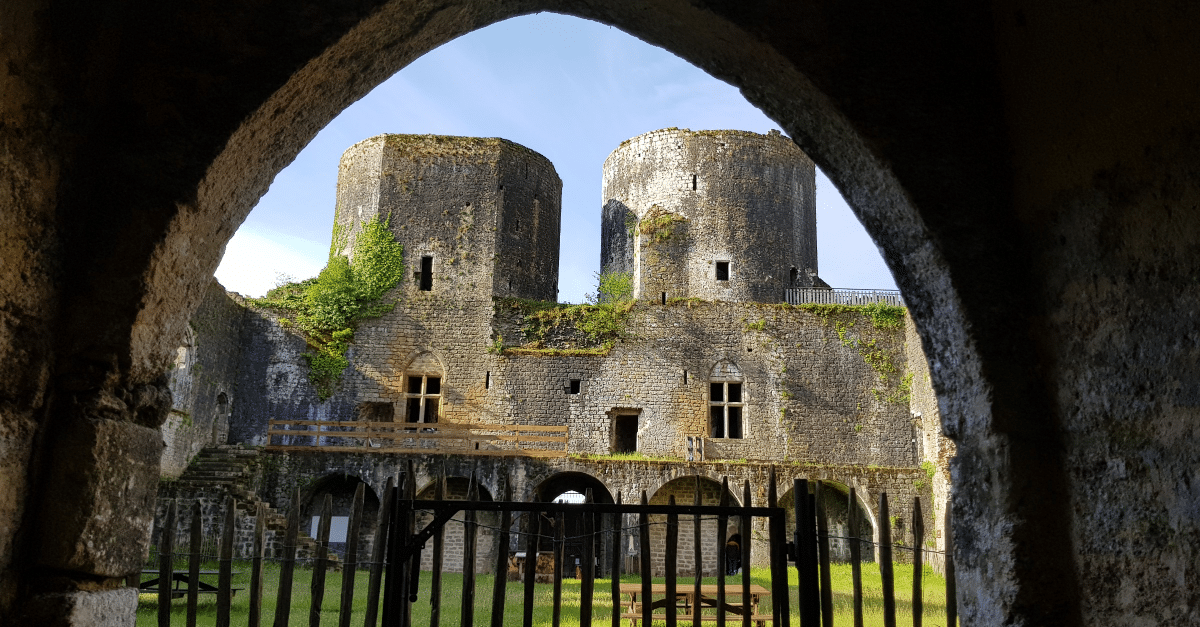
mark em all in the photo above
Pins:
pixel 408 437
pixel 803 295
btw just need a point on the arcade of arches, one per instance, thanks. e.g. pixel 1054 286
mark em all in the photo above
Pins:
pixel 1029 171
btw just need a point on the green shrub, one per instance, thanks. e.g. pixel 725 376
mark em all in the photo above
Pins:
pixel 612 287
pixel 327 308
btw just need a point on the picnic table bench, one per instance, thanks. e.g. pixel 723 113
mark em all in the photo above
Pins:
pixel 688 607
pixel 182 583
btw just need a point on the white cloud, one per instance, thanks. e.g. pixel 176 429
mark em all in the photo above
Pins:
pixel 254 261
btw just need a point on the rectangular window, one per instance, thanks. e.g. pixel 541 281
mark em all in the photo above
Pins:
pixel 426 274
pixel 722 270
pixel 725 410
pixel 574 386
pixel 423 398
pixel 625 434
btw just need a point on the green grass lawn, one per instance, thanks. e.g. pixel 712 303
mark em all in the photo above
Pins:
pixel 933 585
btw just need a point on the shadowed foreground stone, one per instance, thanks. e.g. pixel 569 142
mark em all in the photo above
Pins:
pixel 93 608
pixel 106 472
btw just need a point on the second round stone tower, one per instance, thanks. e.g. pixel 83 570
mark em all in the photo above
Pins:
pixel 717 215
pixel 478 216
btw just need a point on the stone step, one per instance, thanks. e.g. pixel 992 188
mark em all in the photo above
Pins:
pixel 211 462
pixel 206 474
pixel 204 483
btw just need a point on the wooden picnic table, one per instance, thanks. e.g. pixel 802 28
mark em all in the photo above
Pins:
pixel 183 578
pixel 688 607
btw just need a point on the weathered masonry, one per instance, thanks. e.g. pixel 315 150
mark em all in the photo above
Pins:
pixel 717 215
pixel 1026 169
pixel 716 378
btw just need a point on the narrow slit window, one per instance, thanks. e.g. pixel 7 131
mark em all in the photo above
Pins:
pixel 664 298
pixel 693 182
pixel 722 270
pixel 426 273
pixel 487 380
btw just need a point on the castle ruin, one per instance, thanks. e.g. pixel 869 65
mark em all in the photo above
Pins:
pixel 707 374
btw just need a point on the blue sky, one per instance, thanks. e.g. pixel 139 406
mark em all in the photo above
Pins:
pixel 570 89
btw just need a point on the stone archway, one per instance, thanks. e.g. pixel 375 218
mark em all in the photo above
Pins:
pixel 574 485
pixel 340 488
pixel 683 489
pixel 836 498
pixel 1027 170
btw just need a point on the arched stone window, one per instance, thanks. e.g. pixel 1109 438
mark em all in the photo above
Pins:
pixel 423 389
pixel 726 404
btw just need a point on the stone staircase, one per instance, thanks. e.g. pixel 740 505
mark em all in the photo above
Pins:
pixel 221 471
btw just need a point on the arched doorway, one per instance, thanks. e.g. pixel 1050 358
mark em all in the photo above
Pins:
pixel 835 497
pixel 572 487
pixel 341 489
pixel 684 491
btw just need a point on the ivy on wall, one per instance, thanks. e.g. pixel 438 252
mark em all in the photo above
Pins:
pixel 600 322
pixel 326 308
pixel 882 316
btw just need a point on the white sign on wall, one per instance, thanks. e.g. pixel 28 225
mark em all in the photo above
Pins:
pixel 337 528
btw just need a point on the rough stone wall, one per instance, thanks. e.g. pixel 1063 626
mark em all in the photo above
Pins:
pixel 485 209
pixel 750 200
pixel 527 238
pixel 203 380
pixel 835 497
pixel 663 244
pixel 937 450
pixel 809 394
pixel 684 492
pixel 280 480
pixel 454 533
pixel 273 383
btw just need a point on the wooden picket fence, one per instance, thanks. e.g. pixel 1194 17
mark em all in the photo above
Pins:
pixel 409 437
pixel 394 566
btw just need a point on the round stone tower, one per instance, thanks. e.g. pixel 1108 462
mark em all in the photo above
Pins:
pixel 718 215
pixel 477 216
